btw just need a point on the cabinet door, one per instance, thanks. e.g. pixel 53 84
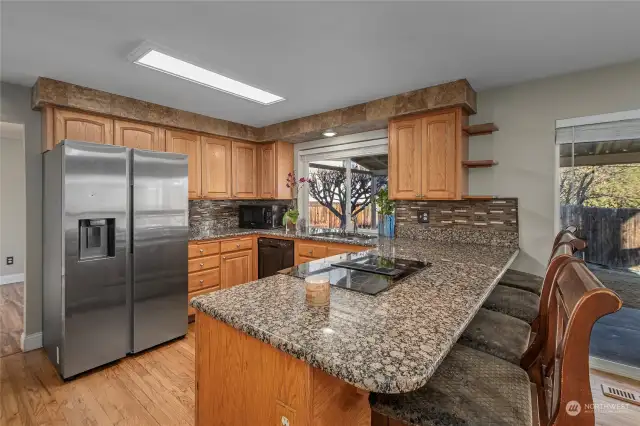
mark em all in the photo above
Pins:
pixel 139 136
pixel 244 164
pixel 439 166
pixel 82 127
pixel 216 168
pixel 187 143
pixel 267 164
pixel 284 166
pixel 235 268
pixel 404 159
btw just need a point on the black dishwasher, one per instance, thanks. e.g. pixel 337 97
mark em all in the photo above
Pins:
pixel 273 255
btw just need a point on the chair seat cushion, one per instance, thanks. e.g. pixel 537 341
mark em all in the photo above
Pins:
pixel 514 302
pixel 522 281
pixel 497 334
pixel 469 388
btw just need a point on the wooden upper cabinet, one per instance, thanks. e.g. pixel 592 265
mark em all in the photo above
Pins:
pixel 187 143
pixel 244 171
pixel 236 268
pixel 80 126
pixel 439 168
pixel 405 167
pixel 425 156
pixel 267 160
pixel 216 168
pixel 139 136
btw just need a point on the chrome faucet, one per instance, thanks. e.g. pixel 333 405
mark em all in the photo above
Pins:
pixel 343 230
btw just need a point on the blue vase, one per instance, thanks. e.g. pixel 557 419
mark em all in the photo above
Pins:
pixel 386 226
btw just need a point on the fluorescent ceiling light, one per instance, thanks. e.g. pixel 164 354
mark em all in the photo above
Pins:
pixel 329 133
pixel 179 68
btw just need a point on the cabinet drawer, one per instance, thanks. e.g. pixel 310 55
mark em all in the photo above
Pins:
pixel 234 245
pixel 204 279
pixel 305 259
pixel 203 249
pixel 202 263
pixel 312 250
pixel 193 294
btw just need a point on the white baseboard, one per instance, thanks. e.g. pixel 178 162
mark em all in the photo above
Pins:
pixel 31 342
pixel 616 368
pixel 10 279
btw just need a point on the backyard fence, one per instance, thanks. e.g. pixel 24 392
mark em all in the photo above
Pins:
pixel 613 235
pixel 321 217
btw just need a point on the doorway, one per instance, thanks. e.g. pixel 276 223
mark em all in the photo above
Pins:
pixel 599 193
pixel 12 237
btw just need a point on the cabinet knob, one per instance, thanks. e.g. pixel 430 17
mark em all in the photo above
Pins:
pixel 201 250
pixel 201 281
pixel 224 257
pixel 310 251
pixel 238 245
pixel 202 264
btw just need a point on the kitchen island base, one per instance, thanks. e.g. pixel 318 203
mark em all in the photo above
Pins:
pixel 242 381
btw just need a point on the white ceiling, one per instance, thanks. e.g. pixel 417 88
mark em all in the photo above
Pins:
pixel 319 56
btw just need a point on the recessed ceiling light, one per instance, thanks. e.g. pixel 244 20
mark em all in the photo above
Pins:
pixel 329 133
pixel 168 64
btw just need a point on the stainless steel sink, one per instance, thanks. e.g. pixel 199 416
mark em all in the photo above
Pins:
pixel 347 236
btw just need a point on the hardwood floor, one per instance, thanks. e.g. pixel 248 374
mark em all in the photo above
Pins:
pixel 156 387
pixel 11 321
pixel 611 411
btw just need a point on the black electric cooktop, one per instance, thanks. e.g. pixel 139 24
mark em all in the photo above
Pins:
pixel 361 272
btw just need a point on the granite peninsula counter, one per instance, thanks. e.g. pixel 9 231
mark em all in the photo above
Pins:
pixel 389 343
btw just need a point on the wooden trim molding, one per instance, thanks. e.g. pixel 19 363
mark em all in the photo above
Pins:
pixel 47 91
pixel 373 115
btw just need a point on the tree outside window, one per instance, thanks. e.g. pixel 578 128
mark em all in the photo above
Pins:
pixel 328 183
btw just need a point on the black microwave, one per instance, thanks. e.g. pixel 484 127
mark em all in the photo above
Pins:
pixel 262 217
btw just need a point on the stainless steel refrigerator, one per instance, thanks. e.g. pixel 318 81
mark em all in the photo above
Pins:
pixel 115 234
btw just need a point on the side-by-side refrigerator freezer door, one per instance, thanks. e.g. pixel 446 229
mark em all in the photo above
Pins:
pixel 94 278
pixel 159 247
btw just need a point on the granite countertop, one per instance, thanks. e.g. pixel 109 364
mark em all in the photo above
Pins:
pixel 310 234
pixel 389 343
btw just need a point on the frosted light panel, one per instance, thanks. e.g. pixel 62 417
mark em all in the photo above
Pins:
pixel 179 68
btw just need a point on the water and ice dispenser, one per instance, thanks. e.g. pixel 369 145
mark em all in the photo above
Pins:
pixel 97 238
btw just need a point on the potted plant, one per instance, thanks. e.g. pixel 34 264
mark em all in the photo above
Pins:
pixel 290 218
pixel 386 210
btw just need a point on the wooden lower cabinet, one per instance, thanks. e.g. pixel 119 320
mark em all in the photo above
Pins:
pixel 236 268
pixel 308 250
pixel 241 381
pixel 220 264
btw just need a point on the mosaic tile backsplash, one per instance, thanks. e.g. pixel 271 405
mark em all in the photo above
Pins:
pixel 492 222
pixel 209 215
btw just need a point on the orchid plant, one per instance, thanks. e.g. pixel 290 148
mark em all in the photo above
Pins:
pixel 292 182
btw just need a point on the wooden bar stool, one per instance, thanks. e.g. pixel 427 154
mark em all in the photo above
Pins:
pixel 506 336
pixel 530 282
pixel 523 304
pixel 473 388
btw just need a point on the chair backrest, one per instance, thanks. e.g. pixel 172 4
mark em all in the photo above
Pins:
pixel 565 246
pixel 568 230
pixel 578 300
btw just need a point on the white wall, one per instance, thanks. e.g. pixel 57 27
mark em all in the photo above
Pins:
pixel 12 201
pixel 15 107
pixel 524 145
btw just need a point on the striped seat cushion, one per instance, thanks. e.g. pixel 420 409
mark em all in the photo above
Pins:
pixel 511 301
pixel 497 334
pixel 522 281
pixel 469 388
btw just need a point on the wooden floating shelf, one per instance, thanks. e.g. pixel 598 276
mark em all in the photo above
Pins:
pixel 479 197
pixel 479 163
pixel 480 129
